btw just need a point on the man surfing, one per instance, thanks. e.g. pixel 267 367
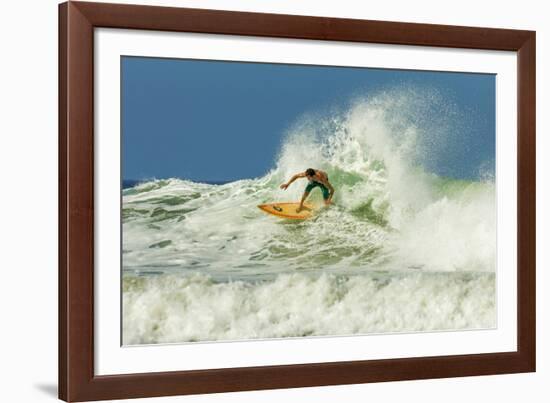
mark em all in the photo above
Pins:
pixel 316 178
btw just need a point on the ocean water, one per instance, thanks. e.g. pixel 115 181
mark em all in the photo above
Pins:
pixel 400 250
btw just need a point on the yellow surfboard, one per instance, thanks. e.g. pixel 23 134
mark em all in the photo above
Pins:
pixel 288 210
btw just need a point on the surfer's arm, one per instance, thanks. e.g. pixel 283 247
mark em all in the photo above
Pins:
pixel 300 175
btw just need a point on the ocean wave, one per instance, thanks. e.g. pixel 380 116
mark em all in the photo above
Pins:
pixel 389 211
pixel 170 308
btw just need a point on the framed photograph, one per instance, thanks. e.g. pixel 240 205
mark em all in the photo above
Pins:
pixel 256 201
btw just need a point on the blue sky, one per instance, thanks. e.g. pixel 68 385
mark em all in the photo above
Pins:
pixel 222 121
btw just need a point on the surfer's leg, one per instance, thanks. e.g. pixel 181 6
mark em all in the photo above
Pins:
pixel 304 197
pixel 326 192
pixel 310 187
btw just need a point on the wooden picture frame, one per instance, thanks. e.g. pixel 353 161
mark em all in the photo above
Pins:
pixel 77 380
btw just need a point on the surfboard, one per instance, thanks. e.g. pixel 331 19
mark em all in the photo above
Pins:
pixel 288 210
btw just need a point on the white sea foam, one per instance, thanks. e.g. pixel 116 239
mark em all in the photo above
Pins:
pixel 167 309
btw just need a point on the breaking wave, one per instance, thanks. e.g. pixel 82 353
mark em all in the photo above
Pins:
pixel 392 218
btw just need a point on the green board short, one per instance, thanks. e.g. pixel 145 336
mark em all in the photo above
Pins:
pixel 324 189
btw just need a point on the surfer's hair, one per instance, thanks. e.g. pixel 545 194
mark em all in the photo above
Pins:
pixel 310 172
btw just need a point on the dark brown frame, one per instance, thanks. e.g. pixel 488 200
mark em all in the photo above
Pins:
pixel 77 381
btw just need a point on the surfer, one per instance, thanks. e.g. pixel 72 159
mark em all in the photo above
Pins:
pixel 316 178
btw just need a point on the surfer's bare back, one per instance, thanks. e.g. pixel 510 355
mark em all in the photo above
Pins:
pixel 316 178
